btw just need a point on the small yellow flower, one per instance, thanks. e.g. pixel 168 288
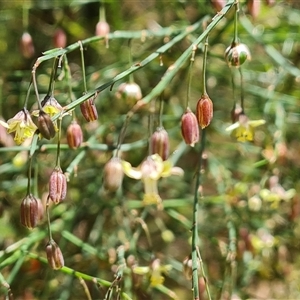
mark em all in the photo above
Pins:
pixel 22 125
pixel 51 106
pixel 243 129
pixel 155 271
pixel 150 171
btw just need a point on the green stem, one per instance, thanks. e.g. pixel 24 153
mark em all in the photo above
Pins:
pixel 35 178
pixel 68 79
pixel 151 124
pixel 72 272
pixel 102 16
pixel 242 89
pixel 79 243
pixel 190 76
pixel 27 95
pixel 204 274
pixel 36 89
pixel 121 261
pixel 53 76
pixel 121 34
pixel 131 79
pixel 29 176
pixel 233 88
pixel 195 237
pixel 161 111
pixel 102 147
pixel 178 33
pixel 137 233
pixel 82 66
pixel 204 66
pixel 31 152
pixel 85 288
pixel 25 17
pixel 48 219
pixel 236 16
pixel 58 143
pixel 15 269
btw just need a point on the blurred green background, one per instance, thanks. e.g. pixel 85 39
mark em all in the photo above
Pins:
pixel 250 190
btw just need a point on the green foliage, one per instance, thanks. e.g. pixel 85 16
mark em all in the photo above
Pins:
pixel 232 218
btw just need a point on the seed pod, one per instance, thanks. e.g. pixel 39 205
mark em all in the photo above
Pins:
pixel 130 92
pixel 57 185
pixel 159 143
pixel 102 28
pixel 218 4
pixel 54 255
pixel 236 54
pixel 204 111
pixel 253 8
pixel 45 125
pixel 113 174
pixel 89 110
pixel 189 128
pixel 26 45
pixel 74 135
pixel 59 38
pixel 40 209
pixel 29 212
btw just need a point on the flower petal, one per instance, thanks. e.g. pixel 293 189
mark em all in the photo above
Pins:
pixel 130 171
pixel 244 134
pixel 167 168
pixel 4 124
pixel 233 126
pixel 256 123
pixel 177 171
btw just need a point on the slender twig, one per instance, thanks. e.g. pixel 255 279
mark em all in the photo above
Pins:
pixel 85 288
pixel 48 218
pixel 36 89
pixel 25 14
pixel 204 66
pixel 102 15
pixel 188 95
pixel 242 89
pixel 58 144
pixel 203 273
pixel 131 79
pixel 233 88
pixel 82 66
pixel 236 16
pixel 168 75
pixel 27 95
pixel 195 237
pixel 161 111
pixel 29 176
pixel 72 272
pixel 53 76
pixel 137 233
pixel 68 79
